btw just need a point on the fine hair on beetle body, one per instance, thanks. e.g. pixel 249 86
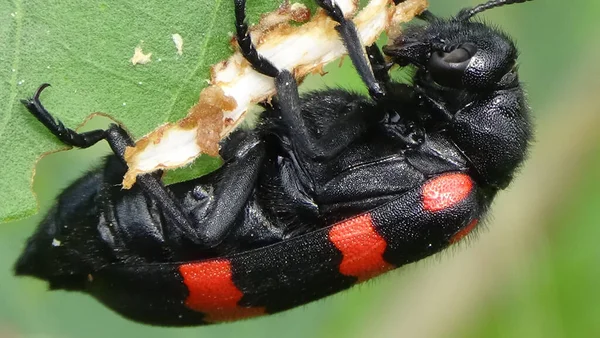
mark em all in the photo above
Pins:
pixel 330 189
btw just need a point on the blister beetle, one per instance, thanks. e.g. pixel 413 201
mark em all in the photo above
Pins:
pixel 329 190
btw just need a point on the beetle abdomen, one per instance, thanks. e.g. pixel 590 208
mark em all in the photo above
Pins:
pixel 297 271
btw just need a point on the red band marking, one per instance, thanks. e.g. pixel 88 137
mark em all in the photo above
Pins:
pixel 212 292
pixel 460 234
pixel 446 191
pixel 361 246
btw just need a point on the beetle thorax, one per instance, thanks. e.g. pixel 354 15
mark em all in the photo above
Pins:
pixel 493 131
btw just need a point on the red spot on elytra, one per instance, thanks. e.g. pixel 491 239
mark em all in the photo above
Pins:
pixel 445 191
pixel 212 292
pixel 464 231
pixel 361 246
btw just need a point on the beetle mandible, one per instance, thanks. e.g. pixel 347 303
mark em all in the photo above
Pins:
pixel 328 190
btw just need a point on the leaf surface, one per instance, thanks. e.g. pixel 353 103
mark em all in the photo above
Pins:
pixel 83 49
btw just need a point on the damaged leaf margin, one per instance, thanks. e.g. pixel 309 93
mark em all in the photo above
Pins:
pixel 223 104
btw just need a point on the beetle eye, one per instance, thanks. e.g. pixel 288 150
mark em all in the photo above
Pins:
pixel 447 68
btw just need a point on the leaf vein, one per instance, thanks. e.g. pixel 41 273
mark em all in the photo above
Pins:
pixel 15 66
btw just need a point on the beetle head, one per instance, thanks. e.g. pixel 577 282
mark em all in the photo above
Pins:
pixel 458 53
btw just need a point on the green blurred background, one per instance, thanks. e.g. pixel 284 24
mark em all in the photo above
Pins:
pixel 533 271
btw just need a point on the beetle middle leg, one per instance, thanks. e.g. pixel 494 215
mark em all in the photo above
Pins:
pixel 330 142
pixel 244 40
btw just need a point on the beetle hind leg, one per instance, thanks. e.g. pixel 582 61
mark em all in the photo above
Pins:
pixel 56 127
pixel 118 139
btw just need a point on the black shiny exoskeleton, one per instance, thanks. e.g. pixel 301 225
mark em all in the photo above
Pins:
pixel 312 162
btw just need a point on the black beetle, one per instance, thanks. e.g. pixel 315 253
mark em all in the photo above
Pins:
pixel 329 190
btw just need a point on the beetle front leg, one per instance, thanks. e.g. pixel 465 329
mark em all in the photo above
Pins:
pixel 348 33
pixel 378 65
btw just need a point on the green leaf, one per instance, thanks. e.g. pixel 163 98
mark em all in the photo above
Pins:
pixel 83 50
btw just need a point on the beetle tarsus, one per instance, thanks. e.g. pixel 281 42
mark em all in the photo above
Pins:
pixel 64 134
pixel 244 39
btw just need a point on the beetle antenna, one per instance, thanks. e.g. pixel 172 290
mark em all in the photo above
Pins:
pixel 469 13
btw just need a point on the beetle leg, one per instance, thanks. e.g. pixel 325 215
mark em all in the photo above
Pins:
pixel 289 102
pixel 258 62
pixel 290 107
pixel 349 35
pixel 378 65
pixel 286 86
pixel 56 127
pixel 235 185
pixel 326 145
pixel 119 140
